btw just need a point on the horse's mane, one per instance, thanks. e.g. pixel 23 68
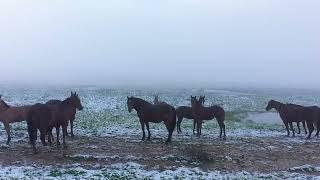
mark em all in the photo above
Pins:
pixel 141 101
pixel 5 104
pixel 67 100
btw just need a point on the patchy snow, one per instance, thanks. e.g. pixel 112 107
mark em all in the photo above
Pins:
pixel 136 171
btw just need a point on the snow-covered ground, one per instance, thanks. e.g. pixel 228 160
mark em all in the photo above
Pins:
pixel 135 171
pixel 106 115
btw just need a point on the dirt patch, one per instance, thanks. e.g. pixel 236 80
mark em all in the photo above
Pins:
pixel 236 154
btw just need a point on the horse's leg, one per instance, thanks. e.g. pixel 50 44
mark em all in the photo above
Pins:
pixel 170 128
pixel 310 128
pixel 298 126
pixel 291 128
pixel 43 133
pixel 71 126
pixel 221 129
pixel 304 126
pixel 199 124
pixel 179 125
pixel 7 127
pixel 194 127
pixel 50 136
pixel 58 133
pixel 149 134
pixel 287 128
pixel 318 128
pixel 143 133
pixel 64 134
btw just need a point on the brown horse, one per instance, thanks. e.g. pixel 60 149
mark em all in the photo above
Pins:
pixel 186 112
pixel 148 112
pixel 12 114
pixel 290 114
pixel 201 113
pixel 44 117
pixel 72 113
pixel 298 123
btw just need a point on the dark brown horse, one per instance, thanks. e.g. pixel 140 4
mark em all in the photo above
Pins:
pixel 12 114
pixel 72 113
pixel 186 112
pixel 298 123
pixel 148 112
pixel 291 113
pixel 44 117
pixel 201 113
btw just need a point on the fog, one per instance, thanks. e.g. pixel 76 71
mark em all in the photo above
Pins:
pixel 161 43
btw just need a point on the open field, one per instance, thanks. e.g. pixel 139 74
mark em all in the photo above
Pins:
pixel 108 145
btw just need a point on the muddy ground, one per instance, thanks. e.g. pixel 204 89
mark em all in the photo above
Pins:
pixel 267 154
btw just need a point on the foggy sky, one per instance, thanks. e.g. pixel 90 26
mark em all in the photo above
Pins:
pixel 186 42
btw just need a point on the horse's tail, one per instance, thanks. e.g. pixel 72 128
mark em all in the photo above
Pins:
pixel 31 127
pixel 174 119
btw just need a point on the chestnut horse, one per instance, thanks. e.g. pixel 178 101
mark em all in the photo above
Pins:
pixel 289 114
pixel 12 114
pixel 186 112
pixel 201 113
pixel 44 117
pixel 148 112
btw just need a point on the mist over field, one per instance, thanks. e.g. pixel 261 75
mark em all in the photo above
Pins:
pixel 172 44
pixel 239 54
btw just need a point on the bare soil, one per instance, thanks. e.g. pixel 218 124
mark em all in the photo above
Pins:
pixel 237 154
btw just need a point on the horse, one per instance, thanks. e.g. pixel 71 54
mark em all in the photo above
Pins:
pixel 298 123
pixel 12 114
pixel 148 112
pixel 186 112
pixel 201 113
pixel 291 113
pixel 44 117
pixel 72 113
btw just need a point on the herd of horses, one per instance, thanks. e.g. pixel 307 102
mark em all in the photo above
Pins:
pixel 42 117
pixel 57 114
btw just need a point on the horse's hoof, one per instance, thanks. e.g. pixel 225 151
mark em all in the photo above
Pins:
pixel 58 144
pixel 65 146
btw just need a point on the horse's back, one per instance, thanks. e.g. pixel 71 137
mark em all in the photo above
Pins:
pixel 53 102
pixel 184 111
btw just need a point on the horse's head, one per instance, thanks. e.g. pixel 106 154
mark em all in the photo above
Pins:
pixel 3 105
pixel 75 101
pixel 130 103
pixel 271 104
pixel 202 99
pixel 193 99
pixel 156 99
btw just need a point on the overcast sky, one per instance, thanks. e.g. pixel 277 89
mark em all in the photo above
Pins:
pixel 189 42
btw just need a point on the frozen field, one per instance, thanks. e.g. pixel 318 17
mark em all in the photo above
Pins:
pixel 108 146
